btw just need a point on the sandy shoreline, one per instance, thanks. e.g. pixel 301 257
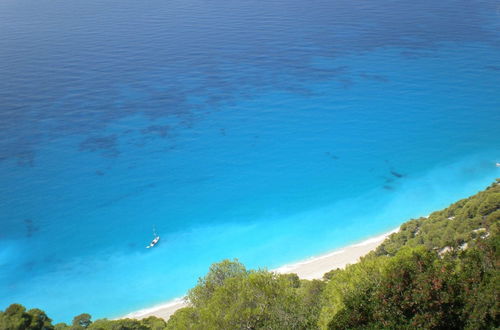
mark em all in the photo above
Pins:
pixel 312 268
pixel 162 310
pixel 315 267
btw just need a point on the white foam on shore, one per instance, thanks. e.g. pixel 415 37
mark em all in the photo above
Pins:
pixel 289 267
pixel 376 239
pixel 171 304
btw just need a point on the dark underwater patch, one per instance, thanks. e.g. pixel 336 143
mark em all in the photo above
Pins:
pixel 346 83
pixel 29 266
pixel 130 194
pixel 26 158
pixel 415 54
pixel 331 155
pixel 105 145
pixel 203 65
pixel 162 131
pixel 388 180
pixel 375 77
pixel 30 227
pixel 397 175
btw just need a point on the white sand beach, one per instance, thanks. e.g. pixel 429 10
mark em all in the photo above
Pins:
pixel 312 268
pixel 316 267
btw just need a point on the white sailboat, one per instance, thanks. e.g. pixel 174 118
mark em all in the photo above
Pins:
pixel 155 240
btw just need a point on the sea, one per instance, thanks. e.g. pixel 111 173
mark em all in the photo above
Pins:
pixel 266 131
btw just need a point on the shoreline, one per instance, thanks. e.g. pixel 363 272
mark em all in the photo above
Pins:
pixel 312 268
pixel 316 266
pixel 163 310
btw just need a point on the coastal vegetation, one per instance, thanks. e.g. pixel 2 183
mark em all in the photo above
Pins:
pixel 437 272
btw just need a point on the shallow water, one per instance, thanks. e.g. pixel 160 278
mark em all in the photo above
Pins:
pixel 266 131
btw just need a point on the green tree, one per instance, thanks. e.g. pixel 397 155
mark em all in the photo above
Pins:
pixel 416 289
pixel 215 278
pixel 154 323
pixel 480 281
pixel 310 295
pixel 353 281
pixel 230 297
pixel 184 318
pixel 15 318
pixel 121 324
pixel 259 300
pixel 39 320
pixel 82 321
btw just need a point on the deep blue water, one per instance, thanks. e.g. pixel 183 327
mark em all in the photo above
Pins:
pixel 268 131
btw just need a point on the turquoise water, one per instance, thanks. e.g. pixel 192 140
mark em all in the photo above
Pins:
pixel 267 132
